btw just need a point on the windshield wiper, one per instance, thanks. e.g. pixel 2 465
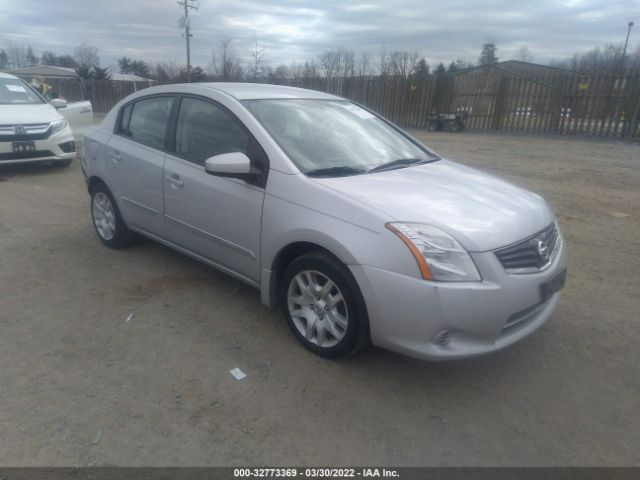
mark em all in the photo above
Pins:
pixel 335 172
pixel 399 163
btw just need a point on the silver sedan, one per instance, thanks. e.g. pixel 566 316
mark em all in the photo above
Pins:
pixel 360 233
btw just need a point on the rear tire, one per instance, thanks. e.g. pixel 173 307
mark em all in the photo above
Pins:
pixel 107 220
pixel 323 306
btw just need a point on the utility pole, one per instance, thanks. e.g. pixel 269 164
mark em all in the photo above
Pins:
pixel 626 42
pixel 188 5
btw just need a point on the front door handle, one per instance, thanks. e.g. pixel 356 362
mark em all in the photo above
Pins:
pixel 175 180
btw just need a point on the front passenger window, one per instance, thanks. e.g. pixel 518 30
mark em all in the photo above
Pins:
pixel 205 130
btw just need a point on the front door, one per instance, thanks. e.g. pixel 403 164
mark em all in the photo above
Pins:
pixel 214 217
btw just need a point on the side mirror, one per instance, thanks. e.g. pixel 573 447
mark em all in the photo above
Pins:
pixel 235 164
pixel 58 103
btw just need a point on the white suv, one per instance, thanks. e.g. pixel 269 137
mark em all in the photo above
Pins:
pixel 32 129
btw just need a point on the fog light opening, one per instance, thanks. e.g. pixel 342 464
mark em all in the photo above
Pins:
pixel 68 147
pixel 443 337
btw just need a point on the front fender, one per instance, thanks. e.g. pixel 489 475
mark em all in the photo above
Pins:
pixel 321 221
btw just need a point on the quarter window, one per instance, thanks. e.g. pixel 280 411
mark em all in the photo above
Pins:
pixel 146 121
pixel 204 130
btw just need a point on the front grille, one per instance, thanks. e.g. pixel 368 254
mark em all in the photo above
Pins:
pixel 34 131
pixel 23 155
pixel 532 253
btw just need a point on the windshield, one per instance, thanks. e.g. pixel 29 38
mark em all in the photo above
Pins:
pixel 334 136
pixel 16 92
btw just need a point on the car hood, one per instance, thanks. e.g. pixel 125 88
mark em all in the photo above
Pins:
pixel 481 211
pixel 25 114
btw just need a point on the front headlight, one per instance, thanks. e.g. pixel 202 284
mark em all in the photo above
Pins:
pixel 58 125
pixel 440 257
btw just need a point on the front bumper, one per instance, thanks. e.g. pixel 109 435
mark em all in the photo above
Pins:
pixel 412 316
pixel 47 149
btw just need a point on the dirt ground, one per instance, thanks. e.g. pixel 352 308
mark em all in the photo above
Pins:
pixel 79 385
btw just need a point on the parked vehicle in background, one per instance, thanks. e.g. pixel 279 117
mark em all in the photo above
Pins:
pixel 357 230
pixel 61 84
pixel 453 121
pixel 32 129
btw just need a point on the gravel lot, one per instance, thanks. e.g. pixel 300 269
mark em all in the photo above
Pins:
pixel 79 385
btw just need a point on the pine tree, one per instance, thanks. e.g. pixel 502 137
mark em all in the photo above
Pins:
pixel 4 60
pixel 488 54
pixel 31 58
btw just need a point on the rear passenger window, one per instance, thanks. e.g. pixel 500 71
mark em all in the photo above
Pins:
pixel 205 130
pixel 146 121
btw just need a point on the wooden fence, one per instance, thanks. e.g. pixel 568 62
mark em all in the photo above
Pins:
pixel 603 105
pixel 494 99
pixel 105 94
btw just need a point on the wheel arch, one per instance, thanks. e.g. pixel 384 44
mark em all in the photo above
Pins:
pixel 93 181
pixel 282 259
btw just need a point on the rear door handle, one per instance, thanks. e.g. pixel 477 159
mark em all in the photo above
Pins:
pixel 175 180
pixel 115 156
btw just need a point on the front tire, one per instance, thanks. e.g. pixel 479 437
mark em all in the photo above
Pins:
pixel 323 306
pixel 107 220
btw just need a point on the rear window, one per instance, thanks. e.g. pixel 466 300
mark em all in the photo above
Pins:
pixel 16 92
pixel 146 120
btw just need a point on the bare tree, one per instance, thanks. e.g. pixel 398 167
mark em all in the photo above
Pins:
pixel 363 67
pixel 86 56
pixel 225 62
pixel 348 63
pixel 166 72
pixel 402 63
pixel 256 67
pixel 296 70
pixel 331 62
pixel 310 69
pixel 524 55
pixel 633 61
pixel 607 59
pixel 17 55
pixel 384 63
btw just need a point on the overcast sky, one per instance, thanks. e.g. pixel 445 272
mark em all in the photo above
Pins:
pixel 441 30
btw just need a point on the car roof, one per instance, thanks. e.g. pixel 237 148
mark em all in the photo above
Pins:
pixel 255 91
pixel 8 75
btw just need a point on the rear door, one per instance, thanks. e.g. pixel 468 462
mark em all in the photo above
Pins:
pixel 217 218
pixel 135 159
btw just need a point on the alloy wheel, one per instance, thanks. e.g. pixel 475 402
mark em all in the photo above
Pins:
pixel 318 308
pixel 104 216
